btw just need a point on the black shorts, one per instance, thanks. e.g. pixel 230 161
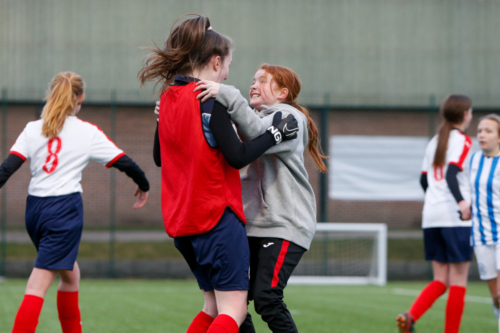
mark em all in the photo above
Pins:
pixel 451 244
pixel 55 225
pixel 219 258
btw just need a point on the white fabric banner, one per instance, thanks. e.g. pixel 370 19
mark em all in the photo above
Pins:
pixel 376 168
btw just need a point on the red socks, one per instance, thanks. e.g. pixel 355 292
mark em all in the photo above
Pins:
pixel 454 309
pixel 426 298
pixel 223 324
pixel 69 312
pixel 27 315
pixel 200 323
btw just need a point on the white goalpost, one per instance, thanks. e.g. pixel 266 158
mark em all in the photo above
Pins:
pixel 345 253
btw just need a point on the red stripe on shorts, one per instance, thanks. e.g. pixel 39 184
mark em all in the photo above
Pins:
pixel 279 263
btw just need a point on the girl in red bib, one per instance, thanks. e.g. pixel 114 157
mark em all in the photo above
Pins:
pixel 200 154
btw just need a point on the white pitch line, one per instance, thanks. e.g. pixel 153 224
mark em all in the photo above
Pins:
pixel 412 292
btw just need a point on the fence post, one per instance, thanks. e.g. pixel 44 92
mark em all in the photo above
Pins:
pixel 112 203
pixel 432 115
pixel 323 179
pixel 3 217
pixel 324 146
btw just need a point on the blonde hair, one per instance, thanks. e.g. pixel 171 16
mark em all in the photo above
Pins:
pixel 494 117
pixel 62 97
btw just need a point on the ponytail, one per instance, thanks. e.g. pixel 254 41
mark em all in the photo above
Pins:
pixel 62 97
pixel 190 45
pixel 452 110
pixel 314 144
pixel 286 78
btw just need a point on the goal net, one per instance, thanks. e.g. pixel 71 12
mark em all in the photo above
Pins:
pixel 345 253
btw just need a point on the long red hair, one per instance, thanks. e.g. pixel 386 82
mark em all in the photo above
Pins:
pixel 286 78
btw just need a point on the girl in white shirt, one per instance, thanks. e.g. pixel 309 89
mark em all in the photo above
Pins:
pixel 446 215
pixel 60 146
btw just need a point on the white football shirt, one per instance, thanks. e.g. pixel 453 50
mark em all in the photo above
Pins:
pixel 57 163
pixel 440 207
pixel 485 184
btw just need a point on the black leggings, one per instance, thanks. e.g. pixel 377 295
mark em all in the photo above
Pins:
pixel 272 261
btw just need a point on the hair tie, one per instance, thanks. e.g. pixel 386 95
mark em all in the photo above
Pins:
pixel 209 28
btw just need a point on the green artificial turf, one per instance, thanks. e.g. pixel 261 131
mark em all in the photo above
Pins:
pixel 127 306
pixel 407 250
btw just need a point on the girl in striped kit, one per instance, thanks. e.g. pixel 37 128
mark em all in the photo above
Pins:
pixel 485 185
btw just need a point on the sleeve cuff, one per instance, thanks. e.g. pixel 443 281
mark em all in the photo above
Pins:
pixel 18 154
pixel 114 160
pixel 459 165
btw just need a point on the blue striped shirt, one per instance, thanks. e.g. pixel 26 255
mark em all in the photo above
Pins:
pixel 484 179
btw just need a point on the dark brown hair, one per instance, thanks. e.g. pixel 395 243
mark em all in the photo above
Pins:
pixel 189 46
pixel 286 78
pixel 452 110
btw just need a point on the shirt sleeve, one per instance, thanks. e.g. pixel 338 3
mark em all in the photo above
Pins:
pixel 452 181
pixel 423 181
pixel 20 147
pixel 156 148
pixel 428 157
pixel 103 150
pixel 459 150
pixel 249 124
pixel 238 154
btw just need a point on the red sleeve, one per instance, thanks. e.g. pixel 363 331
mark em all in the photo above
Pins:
pixel 465 152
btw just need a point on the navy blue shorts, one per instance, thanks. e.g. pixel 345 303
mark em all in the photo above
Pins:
pixel 219 258
pixel 448 244
pixel 55 227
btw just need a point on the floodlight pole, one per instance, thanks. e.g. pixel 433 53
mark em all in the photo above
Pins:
pixel 3 204
pixel 112 204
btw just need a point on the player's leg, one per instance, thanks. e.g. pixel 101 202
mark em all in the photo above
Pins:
pixel 67 300
pixel 497 262
pixel 277 258
pixel 254 245
pixel 459 253
pixel 232 310
pixel 204 318
pixel 486 263
pixel 456 296
pixel 202 321
pixel 27 316
pixel 225 255
pixel 493 287
pixel 432 291
pixel 435 251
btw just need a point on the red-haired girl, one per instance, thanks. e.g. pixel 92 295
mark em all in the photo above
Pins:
pixel 199 153
pixel 60 146
pixel 446 215
pixel 278 199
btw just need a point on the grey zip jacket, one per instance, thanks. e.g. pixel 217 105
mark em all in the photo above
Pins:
pixel 278 200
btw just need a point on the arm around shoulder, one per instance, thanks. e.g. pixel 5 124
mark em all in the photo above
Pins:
pixel 249 123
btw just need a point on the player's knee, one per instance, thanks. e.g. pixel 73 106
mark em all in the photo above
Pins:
pixel 264 300
pixel 69 279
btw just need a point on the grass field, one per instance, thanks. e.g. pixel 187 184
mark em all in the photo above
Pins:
pixel 127 306
pixel 407 249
